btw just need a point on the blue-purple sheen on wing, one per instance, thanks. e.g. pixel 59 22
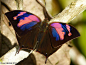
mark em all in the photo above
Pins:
pixel 60 30
pixel 26 20
pixel 55 34
pixel 28 26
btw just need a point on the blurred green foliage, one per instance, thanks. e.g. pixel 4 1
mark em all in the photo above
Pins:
pixel 81 26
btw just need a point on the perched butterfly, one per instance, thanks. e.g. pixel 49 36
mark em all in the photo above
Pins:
pixel 32 33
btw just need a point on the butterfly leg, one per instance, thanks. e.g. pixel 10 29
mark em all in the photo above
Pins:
pixel 36 45
pixel 46 60
pixel 9 23
pixel 20 48
pixel 69 44
pixel 34 48
pixel 17 50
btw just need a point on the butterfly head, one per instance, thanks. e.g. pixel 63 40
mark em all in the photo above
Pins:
pixel 44 24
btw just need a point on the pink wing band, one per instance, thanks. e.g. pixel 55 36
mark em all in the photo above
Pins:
pixel 68 28
pixel 59 30
pixel 26 20
pixel 21 13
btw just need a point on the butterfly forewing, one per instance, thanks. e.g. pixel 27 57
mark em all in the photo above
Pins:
pixel 26 26
pixel 22 21
pixel 61 33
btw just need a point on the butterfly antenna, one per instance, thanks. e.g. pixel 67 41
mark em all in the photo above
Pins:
pixel 46 14
pixel 40 3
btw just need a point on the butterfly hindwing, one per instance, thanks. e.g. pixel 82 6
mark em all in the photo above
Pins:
pixel 29 39
pixel 45 46
pixel 61 33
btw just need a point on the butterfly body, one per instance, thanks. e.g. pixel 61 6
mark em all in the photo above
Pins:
pixel 32 33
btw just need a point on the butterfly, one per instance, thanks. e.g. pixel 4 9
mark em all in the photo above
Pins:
pixel 32 33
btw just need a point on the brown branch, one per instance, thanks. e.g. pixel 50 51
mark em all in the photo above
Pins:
pixel 70 12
